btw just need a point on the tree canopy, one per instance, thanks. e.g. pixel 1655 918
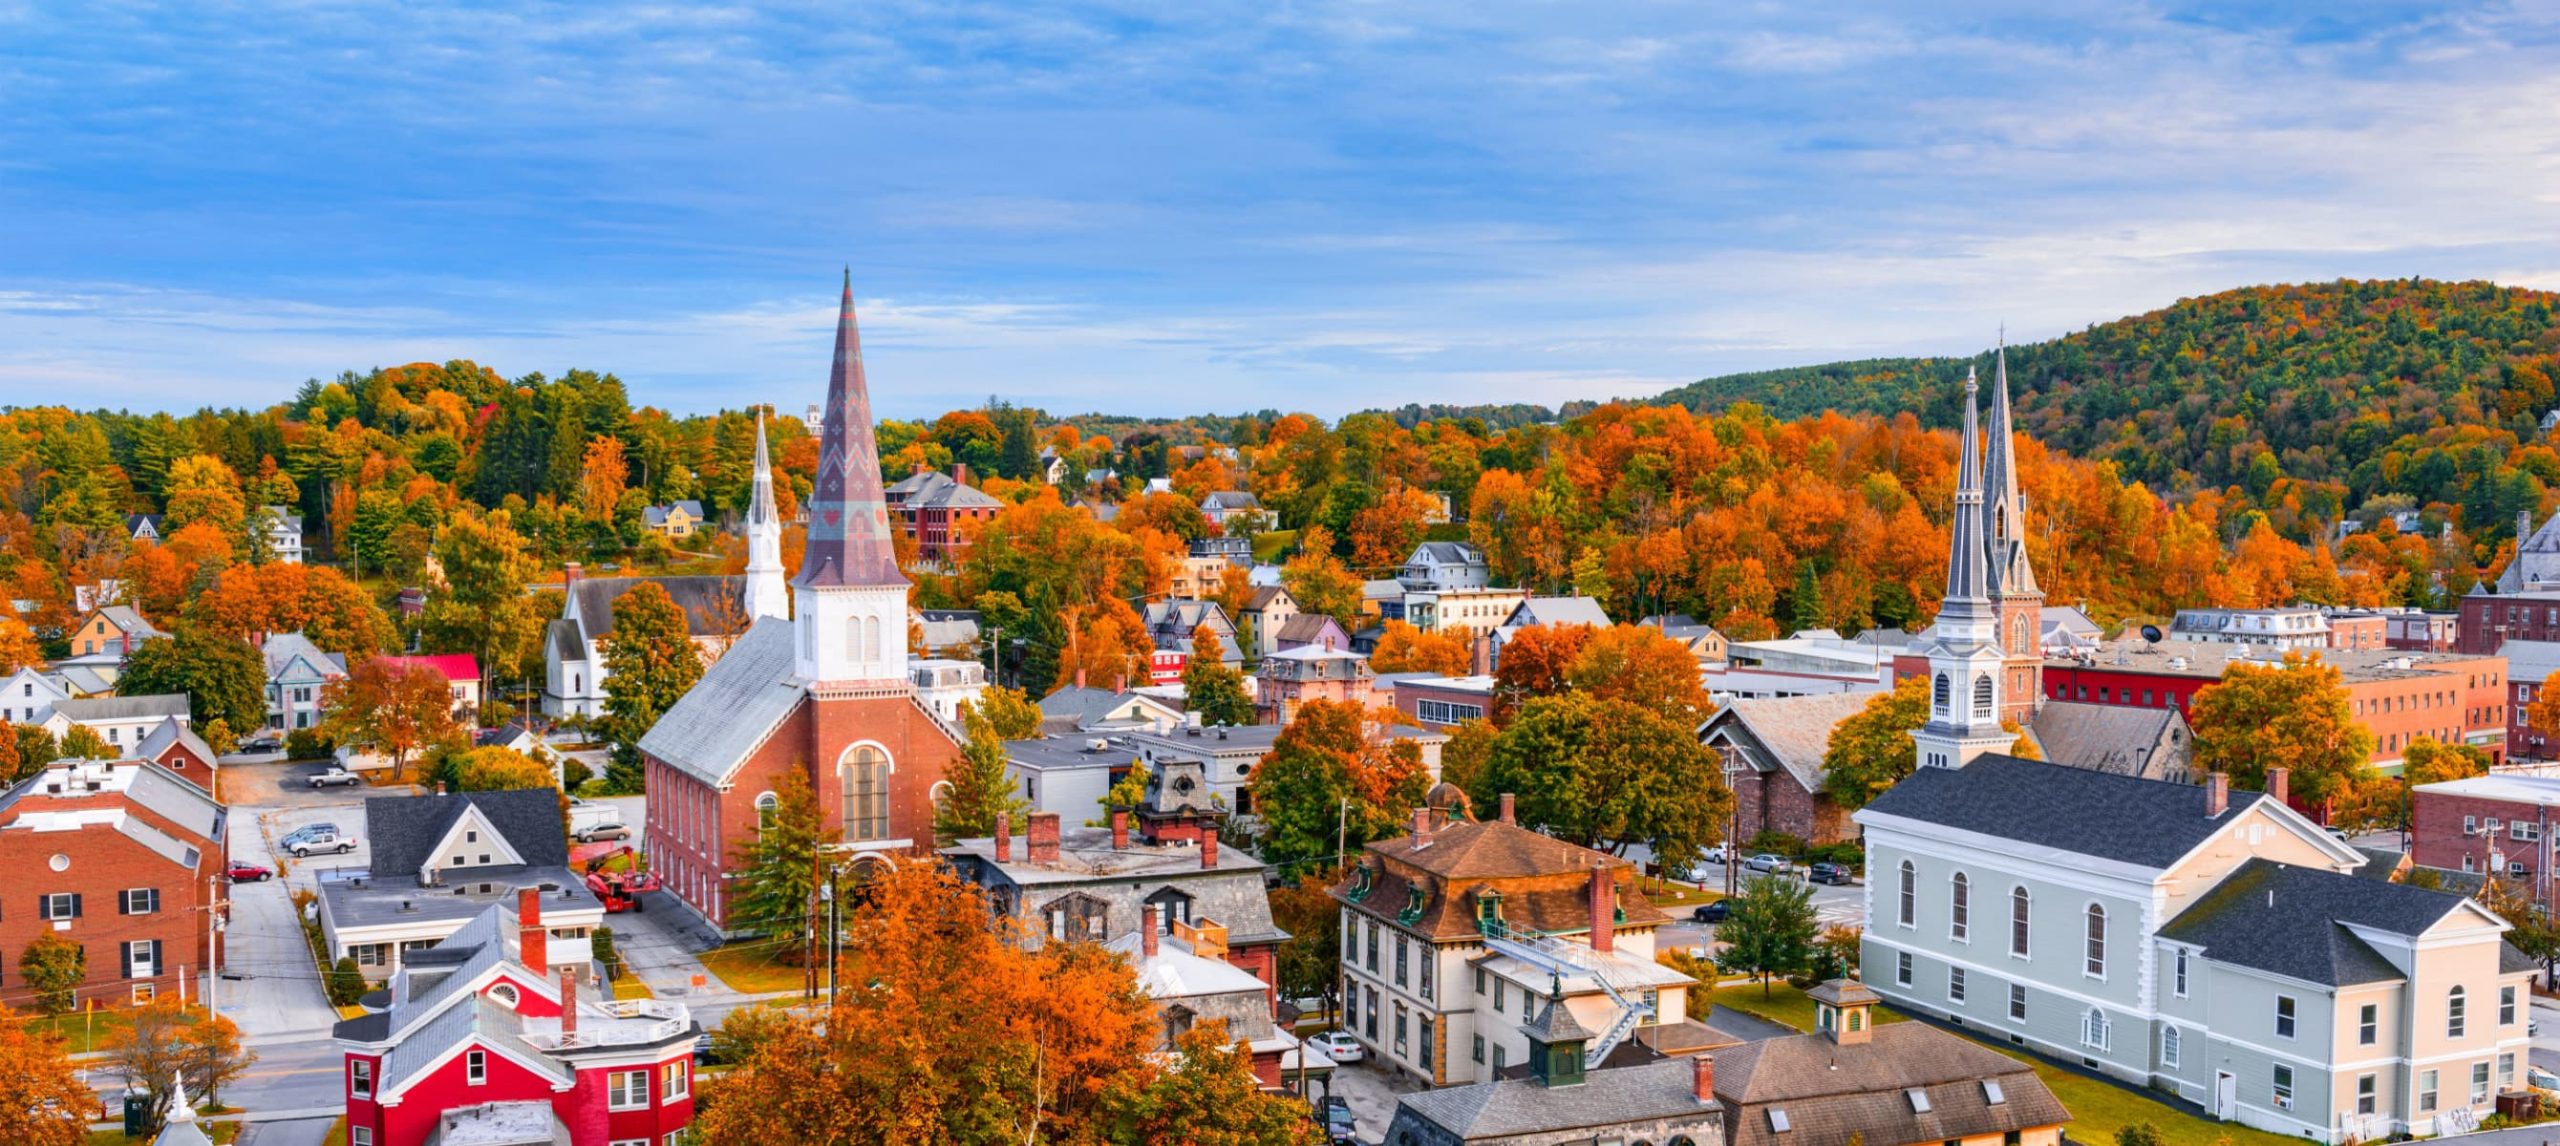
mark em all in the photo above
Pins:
pixel 2294 716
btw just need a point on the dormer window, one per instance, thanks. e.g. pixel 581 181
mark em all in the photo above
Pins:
pixel 1415 899
pixel 1363 880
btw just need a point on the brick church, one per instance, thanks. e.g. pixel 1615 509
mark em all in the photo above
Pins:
pixel 825 692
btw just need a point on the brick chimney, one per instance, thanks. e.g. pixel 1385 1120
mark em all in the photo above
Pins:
pixel 568 1000
pixel 2217 793
pixel 1702 1078
pixel 1044 837
pixel 1604 910
pixel 1422 823
pixel 1147 935
pixel 1481 656
pixel 1119 831
pixel 1506 809
pixel 960 472
pixel 569 575
pixel 1079 676
pixel 1208 847
pixel 532 942
pixel 1004 837
pixel 2279 784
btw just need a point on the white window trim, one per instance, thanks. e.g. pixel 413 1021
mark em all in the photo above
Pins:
pixel 646 1087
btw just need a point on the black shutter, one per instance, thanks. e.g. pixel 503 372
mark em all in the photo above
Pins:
pixel 124 902
pixel 75 905
pixel 157 967
pixel 124 960
pixel 44 907
pixel 154 893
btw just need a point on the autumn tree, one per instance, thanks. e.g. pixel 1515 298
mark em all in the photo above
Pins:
pixel 1871 750
pixel 1606 773
pixel 650 659
pixel 1203 1094
pixel 1333 775
pixel 1210 687
pixel 600 481
pixel 2429 761
pixel 1318 581
pixel 479 605
pixel 1643 667
pixel 2542 715
pixel 202 489
pixel 1309 963
pixel 1404 648
pixel 982 787
pixel 43 1101
pixel 393 708
pixel 167 1041
pixel 1468 753
pixel 18 646
pixel 1107 647
pixel 1536 661
pixel 777 868
pixel 497 769
pixel 2294 716
pixel 2530 928
pixel 52 967
pixel 224 679
pixel 336 614
pixel 81 742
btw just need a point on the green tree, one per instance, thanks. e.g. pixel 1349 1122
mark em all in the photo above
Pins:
pixel 1770 929
pixel 1333 775
pixel 1465 757
pixel 1606 773
pixel 982 786
pixel 651 659
pixel 1205 1096
pixel 480 606
pixel 776 869
pixel 2530 929
pixel 1209 687
pixel 36 748
pixel 1872 750
pixel 223 677
pixel 81 742
pixel 1804 605
pixel 2294 716
pixel 2139 1134
pixel 53 967
pixel 346 982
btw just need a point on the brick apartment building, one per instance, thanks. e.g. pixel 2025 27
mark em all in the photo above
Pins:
pixel 2494 825
pixel 2399 695
pixel 931 506
pixel 123 858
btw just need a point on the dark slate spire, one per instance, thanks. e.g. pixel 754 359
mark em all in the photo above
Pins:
pixel 1968 562
pixel 849 539
pixel 2007 540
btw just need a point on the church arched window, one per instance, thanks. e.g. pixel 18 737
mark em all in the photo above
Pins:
pixel 864 777
pixel 1982 697
pixel 1938 694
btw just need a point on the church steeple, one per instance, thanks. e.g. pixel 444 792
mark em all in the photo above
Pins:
pixel 850 615
pixel 2007 540
pixel 766 593
pixel 1968 560
pixel 1965 666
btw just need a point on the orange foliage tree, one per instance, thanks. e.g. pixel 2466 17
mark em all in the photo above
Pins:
pixel 249 601
pixel 1645 668
pixel 1537 661
pixel 1404 648
pixel 42 1100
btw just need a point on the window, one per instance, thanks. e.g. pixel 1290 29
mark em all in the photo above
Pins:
pixel 2018 1001
pixel 1902 968
pixel 1479 1048
pixel 2455 1019
pixel 2366 1096
pixel 1909 895
pixel 2018 922
pixel 58 905
pixel 1371 1026
pixel 2170 1041
pixel 2094 1029
pixel 359 1078
pixel 677 1080
pixel 505 993
pixel 768 806
pixel 146 900
pixel 360 1136
pixel 1373 948
pixel 1423 955
pixel 2470 825
pixel 141 958
pixel 627 1090
pixel 2283 1090
pixel 1938 693
pixel 1350 1006
pixel 865 775
pixel 1479 980
pixel 1982 704
pixel 1498 1055
pixel 2284 1016
pixel 1955 985
pixel 2507 1006
pixel 475 1067
pixel 2178 972
pixel 1960 907
pixel 2096 964
pixel 1500 989
pixel 1400 957
pixel 1351 943
pixel 2426 1090
pixel 2479 1083
pixel 1400 1028
pixel 2507 1070
pixel 1445 712
pixel 2368 1024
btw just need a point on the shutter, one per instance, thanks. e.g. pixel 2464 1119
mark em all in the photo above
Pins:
pixel 75 905
pixel 124 902
pixel 154 894
pixel 44 907
pixel 157 967
pixel 124 959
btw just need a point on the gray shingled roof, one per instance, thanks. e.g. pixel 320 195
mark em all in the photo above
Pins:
pixel 177 801
pixel 174 731
pixel 1832 1092
pixel 2105 737
pixel 81 711
pixel 1561 611
pixel 738 703
pixel 1795 730
pixel 1494 1110
pixel 404 829
pixel 699 597
pixel 2290 921
pixel 2147 822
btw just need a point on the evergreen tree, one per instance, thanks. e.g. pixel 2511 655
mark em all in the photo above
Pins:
pixel 651 660
pixel 777 875
pixel 1805 603
pixel 1770 930
pixel 1209 687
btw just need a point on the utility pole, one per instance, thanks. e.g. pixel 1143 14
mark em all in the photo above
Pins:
pixel 828 893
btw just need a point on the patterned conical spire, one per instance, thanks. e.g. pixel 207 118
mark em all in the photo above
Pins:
pixel 2006 541
pixel 849 539
pixel 1968 564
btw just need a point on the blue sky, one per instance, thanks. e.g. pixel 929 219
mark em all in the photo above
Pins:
pixel 1165 208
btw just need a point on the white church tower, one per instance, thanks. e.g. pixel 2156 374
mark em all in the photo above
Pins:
pixel 850 621
pixel 1965 660
pixel 767 593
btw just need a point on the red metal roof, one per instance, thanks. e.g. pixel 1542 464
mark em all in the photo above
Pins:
pixel 454 666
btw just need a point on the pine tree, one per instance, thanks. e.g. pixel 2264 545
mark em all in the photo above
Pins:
pixel 1805 603
pixel 777 869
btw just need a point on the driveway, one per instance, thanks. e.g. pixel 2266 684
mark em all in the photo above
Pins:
pixel 270 986
pixel 1373 1095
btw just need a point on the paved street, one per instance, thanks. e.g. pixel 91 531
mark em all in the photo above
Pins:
pixel 270 986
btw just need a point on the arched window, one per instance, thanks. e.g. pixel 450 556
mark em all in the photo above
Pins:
pixel 871 638
pixel 2455 1003
pixel 2018 921
pixel 2093 1029
pixel 2097 952
pixel 505 993
pixel 1938 694
pixel 1910 897
pixel 1960 917
pixel 2170 1047
pixel 1982 698
pixel 864 777
pixel 853 638
pixel 767 806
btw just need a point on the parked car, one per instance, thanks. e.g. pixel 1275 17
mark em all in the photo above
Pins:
pixel 1334 1114
pixel 1712 912
pixel 334 776
pixel 242 871
pixel 609 830
pixel 1717 855
pixel 305 832
pixel 329 841
pixel 1829 873
pixel 2541 1079
pixel 1767 861
pixel 260 744
pixel 1339 1046
pixel 702 1049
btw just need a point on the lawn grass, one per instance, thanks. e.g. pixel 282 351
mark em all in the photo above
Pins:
pixel 630 987
pixel 337 1133
pixel 220 1132
pixel 1780 1003
pixel 83 1031
pixel 752 968
pixel 1667 894
pixel 1267 547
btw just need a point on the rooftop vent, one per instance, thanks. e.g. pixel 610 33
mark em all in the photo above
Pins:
pixel 1919 1100
pixel 1991 1092
pixel 409 907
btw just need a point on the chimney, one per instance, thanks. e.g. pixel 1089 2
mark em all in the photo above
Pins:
pixel 1044 837
pixel 1481 659
pixel 2524 527
pixel 1004 837
pixel 568 1001
pixel 532 942
pixel 1079 676
pixel 1119 831
pixel 1422 823
pixel 960 472
pixel 2279 784
pixel 1147 934
pixel 439 787
pixel 1120 683
pixel 1208 847
pixel 2217 793
pixel 1506 809
pixel 569 575
pixel 1604 910
pixel 1702 1078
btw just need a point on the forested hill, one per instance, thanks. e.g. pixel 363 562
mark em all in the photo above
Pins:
pixel 2342 385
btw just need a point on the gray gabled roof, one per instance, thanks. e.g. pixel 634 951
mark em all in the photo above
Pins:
pixel 283 649
pixel 1489 1111
pixel 404 829
pixel 1794 730
pixel 1560 611
pixel 1446 553
pixel 2107 737
pixel 2148 822
pixel 704 599
pixel 174 731
pixel 2293 921
pixel 82 711
pixel 738 703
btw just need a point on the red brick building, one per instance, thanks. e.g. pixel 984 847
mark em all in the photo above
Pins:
pixel 825 693
pixel 931 506
pixel 124 859
pixel 1772 752
pixel 475 1045
pixel 2496 825
pixel 2422 631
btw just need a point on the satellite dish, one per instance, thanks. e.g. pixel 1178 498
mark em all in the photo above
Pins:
pixel 2151 633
